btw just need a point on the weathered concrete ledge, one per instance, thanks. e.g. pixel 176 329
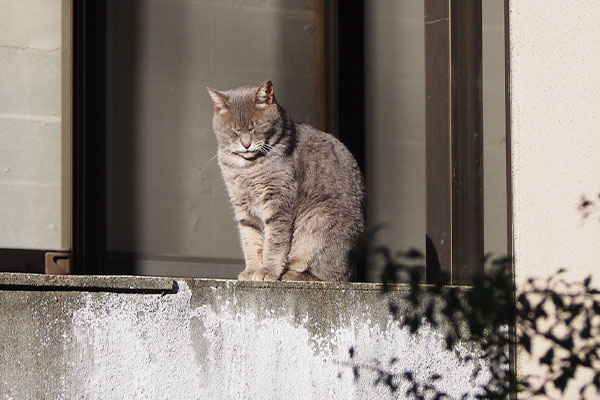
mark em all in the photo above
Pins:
pixel 97 337
pixel 161 284
pixel 118 284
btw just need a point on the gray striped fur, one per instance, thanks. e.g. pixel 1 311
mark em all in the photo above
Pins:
pixel 297 192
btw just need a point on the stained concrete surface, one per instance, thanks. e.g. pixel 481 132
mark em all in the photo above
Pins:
pixel 80 337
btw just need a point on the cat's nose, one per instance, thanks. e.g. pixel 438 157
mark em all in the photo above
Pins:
pixel 246 141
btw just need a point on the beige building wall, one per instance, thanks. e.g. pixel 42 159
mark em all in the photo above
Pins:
pixel 555 128
pixel 30 124
pixel 555 142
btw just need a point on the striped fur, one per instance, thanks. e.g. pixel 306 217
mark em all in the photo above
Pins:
pixel 297 192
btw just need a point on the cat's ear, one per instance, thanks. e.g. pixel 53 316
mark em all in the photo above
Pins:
pixel 264 95
pixel 219 99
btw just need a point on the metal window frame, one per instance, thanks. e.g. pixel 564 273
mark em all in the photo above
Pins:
pixel 454 104
pixel 454 141
pixel 88 139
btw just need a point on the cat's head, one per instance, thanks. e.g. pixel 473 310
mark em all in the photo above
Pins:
pixel 246 119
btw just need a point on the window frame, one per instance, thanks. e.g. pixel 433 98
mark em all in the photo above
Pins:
pixel 88 140
pixel 454 141
pixel 453 84
pixel 56 261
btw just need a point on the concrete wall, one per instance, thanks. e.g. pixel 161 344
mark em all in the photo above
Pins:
pixel 395 115
pixel 126 338
pixel 30 124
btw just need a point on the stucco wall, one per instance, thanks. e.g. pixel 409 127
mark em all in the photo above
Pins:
pixel 555 127
pixel 555 114
pixel 126 338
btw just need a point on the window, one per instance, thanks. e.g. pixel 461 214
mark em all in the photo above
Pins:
pixel 404 92
pixel 160 206
pixel 35 135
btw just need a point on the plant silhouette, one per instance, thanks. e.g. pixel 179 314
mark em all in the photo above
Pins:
pixel 553 317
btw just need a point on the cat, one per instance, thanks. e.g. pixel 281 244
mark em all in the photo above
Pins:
pixel 297 192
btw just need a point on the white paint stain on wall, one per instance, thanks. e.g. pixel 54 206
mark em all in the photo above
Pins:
pixel 136 347
pixel 160 347
pixel 275 358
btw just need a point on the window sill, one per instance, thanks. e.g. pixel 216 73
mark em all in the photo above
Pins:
pixel 165 285
pixel 87 283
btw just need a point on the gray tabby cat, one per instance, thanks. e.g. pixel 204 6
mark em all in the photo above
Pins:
pixel 297 192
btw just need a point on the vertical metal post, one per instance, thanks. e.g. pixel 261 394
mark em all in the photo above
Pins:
pixel 454 140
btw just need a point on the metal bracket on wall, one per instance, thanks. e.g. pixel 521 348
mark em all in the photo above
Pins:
pixel 59 263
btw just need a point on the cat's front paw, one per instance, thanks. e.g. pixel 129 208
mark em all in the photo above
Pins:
pixel 246 274
pixel 257 275
pixel 264 275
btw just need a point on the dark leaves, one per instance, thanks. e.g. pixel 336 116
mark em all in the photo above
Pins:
pixel 563 317
pixel 596 307
pixel 557 300
pixel 548 358
pixel 561 381
pixel 526 342
pixel 596 381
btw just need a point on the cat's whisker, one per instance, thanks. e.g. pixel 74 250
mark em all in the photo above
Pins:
pixel 271 149
pixel 265 150
pixel 207 164
pixel 228 153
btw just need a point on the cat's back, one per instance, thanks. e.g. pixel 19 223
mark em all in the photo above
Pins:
pixel 329 218
pixel 326 168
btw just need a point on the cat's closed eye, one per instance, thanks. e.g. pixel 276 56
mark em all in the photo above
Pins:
pixel 261 127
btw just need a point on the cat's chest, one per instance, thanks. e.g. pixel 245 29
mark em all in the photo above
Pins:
pixel 250 191
pixel 255 192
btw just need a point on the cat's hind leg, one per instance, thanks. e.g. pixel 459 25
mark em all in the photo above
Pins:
pixel 322 254
pixel 297 270
pixel 298 276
